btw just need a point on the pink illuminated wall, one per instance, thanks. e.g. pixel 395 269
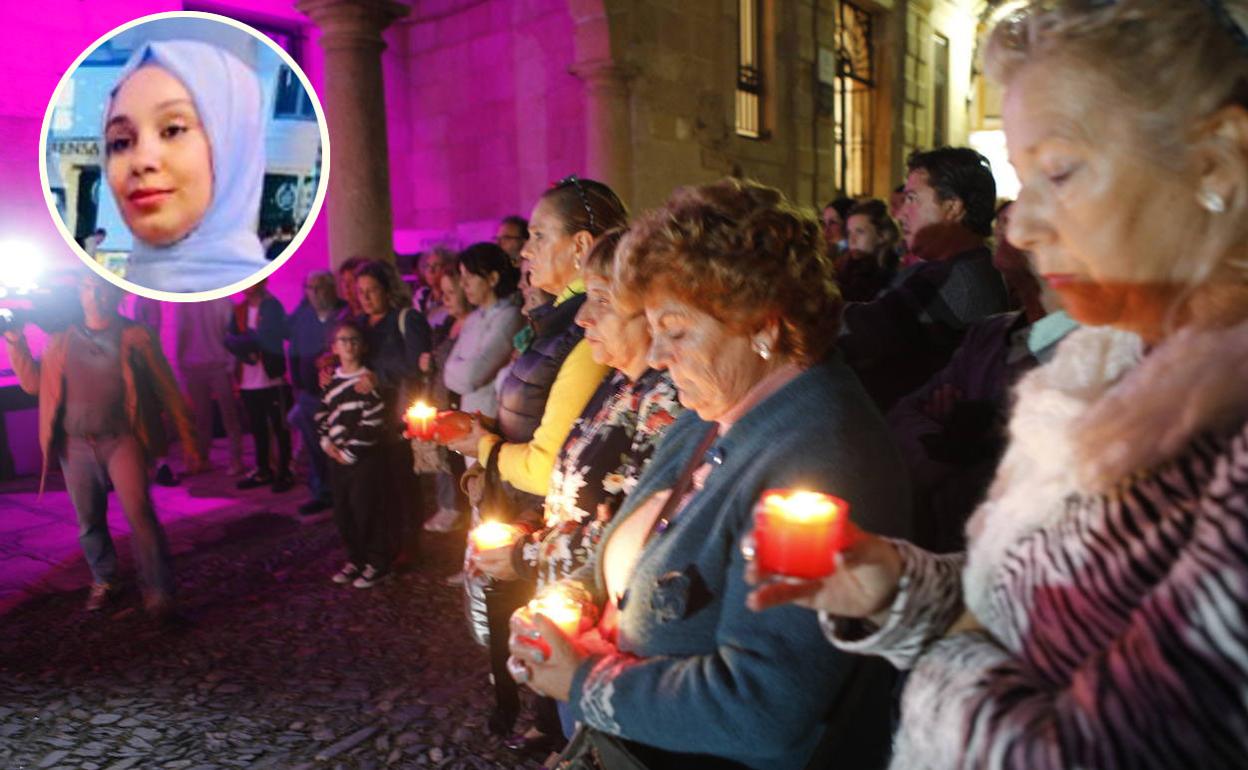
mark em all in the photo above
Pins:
pixel 483 113
pixel 38 42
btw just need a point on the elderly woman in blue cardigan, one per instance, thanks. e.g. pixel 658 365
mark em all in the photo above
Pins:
pixel 741 303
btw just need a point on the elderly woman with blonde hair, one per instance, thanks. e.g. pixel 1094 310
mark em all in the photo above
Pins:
pixel 738 293
pixel 1098 617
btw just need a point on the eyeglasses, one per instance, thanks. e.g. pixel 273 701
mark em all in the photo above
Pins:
pixel 580 190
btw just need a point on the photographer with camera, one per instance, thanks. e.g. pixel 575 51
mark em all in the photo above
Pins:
pixel 102 383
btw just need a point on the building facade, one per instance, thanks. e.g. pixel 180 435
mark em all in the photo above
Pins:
pixel 818 97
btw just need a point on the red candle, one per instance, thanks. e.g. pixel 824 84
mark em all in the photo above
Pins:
pixel 493 534
pixel 799 533
pixel 419 418
pixel 449 426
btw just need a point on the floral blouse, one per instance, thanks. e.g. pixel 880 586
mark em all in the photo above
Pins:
pixel 602 458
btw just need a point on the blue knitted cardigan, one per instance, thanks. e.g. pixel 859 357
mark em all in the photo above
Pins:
pixel 696 671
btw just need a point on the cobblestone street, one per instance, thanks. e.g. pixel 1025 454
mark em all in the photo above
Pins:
pixel 277 668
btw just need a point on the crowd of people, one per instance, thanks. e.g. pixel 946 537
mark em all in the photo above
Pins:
pixel 1033 410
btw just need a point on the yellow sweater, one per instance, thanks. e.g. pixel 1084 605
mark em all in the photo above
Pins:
pixel 528 466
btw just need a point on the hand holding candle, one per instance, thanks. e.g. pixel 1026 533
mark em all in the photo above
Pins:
pixel 419 418
pixel 799 533
pixel 560 607
pixel 493 534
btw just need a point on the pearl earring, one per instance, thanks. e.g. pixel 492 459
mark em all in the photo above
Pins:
pixel 762 349
pixel 1210 201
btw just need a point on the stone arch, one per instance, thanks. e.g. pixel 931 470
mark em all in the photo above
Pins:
pixel 608 119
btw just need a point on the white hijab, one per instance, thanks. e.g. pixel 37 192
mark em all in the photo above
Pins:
pixel 223 248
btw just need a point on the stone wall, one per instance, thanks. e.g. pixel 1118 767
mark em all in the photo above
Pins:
pixel 484 113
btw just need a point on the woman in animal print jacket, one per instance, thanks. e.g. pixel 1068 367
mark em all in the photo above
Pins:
pixel 1099 618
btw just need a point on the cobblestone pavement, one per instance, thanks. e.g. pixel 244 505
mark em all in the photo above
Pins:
pixel 277 668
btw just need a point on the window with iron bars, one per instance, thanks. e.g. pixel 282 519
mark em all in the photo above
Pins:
pixel 854 100
pixel 749 72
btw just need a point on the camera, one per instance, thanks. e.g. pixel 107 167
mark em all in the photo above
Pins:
pixel 52 309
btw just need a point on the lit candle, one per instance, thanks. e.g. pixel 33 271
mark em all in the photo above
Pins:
pixel 493 534
pixel 419 417
pixel 560 608
pixel 799 533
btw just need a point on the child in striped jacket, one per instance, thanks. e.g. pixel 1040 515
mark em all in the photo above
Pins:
pixel 350 425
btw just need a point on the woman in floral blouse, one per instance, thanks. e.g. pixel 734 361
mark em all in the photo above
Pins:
pixel 609 444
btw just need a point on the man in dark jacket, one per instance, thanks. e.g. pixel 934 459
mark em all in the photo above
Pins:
pixel 898 341
pixel 309 329
pixel 257 336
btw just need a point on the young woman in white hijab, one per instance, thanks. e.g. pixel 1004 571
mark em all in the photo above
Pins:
pixel 184 146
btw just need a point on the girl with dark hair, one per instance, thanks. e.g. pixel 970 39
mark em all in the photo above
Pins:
pixel 488 280
pixel 350 428
pixel 865 268
pixel 396 337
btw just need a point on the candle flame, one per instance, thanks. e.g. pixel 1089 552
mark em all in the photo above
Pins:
pixel 802 506
pixel 422 411
pixel 560 608
pixel 493 534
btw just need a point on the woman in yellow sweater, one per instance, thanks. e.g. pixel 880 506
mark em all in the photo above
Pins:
pixel 545 391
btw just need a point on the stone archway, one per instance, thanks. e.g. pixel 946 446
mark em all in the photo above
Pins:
pixel 608 114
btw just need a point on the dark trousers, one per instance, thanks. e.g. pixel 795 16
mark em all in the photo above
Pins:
pixel 406 507
pixel 266 410
pixel 501 600
pixel 359 509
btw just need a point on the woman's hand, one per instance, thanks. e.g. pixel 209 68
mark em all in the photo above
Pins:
pixel 425 362
pixel 863 585
pixel 366 384
pixel 467 444
pixel 473 482
pixel 496 562
pixel 542 656
pixel 940 403
pixel 335 454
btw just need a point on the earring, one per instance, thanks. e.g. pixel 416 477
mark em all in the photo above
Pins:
pixel 762 349
pixel 1211 201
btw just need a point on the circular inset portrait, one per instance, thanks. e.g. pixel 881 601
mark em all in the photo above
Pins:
pixel 185 155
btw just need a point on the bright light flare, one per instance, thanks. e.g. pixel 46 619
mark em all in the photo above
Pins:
pixel 21 265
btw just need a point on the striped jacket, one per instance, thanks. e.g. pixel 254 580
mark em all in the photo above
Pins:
pixel 350 421
pixel 1108 568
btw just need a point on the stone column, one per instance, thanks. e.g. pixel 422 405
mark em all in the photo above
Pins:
pixel 358 199
pixel 608 126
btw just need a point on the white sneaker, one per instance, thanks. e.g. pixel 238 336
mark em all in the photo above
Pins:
pixel 445 520
pixel 369 577
pixel 344 575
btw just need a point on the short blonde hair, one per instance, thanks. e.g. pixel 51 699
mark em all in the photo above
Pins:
pixel 1169 61
pixel 1166 65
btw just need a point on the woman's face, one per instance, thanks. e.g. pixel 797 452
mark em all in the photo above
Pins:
pixel 833 227
pixel 346 288
pixel 457 303
pixel 372 294
pixel 478 289
pixel 1105 223
pixel 159 162
pixel 617 340
pixel 863 237
pixel 712 366
pixel 550 251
